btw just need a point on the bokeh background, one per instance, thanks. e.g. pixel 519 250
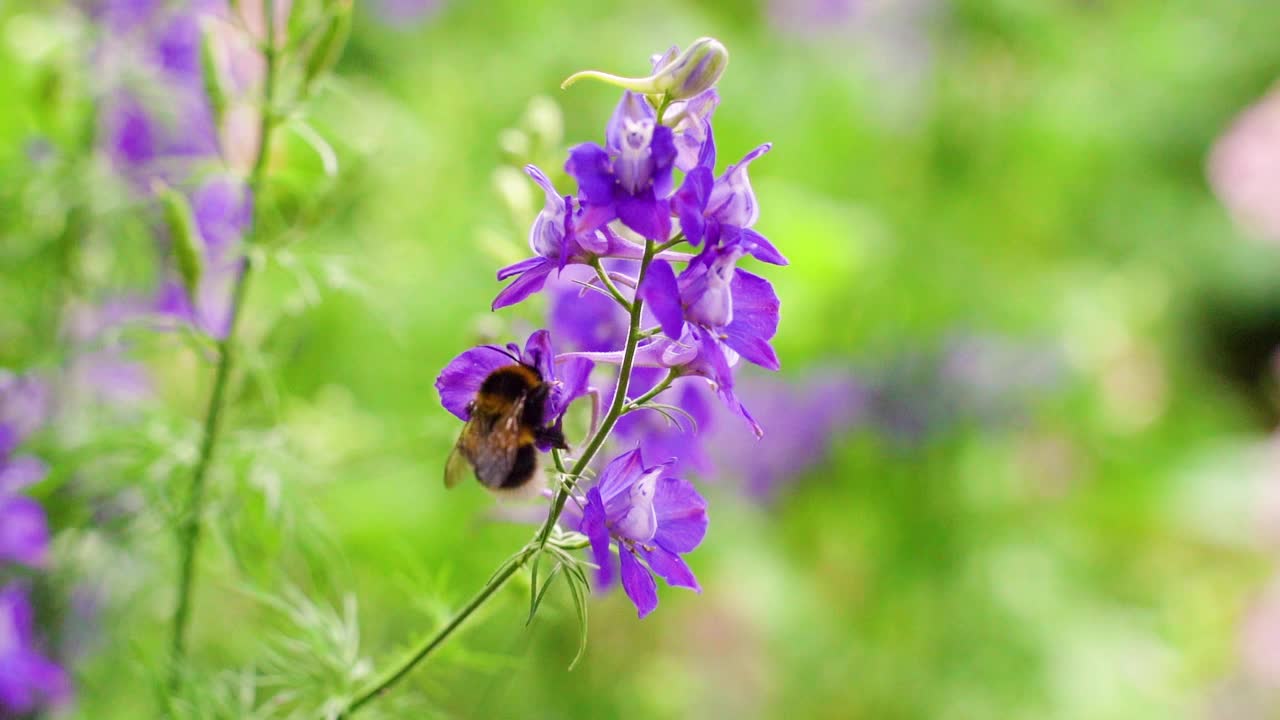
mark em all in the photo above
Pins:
pixel 1018 462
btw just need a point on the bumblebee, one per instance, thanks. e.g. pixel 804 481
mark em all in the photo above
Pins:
pixel 504 427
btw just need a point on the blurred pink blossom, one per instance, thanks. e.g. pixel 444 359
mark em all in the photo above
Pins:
pixel 1244 168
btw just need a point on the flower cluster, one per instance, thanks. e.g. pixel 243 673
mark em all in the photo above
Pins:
pixel 641 265
pixel 28 678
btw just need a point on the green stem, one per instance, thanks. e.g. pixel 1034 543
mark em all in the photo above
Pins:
pixel 535 546
pixel 671 243
pixel 653 392
pixel 609 286
pixel 189 529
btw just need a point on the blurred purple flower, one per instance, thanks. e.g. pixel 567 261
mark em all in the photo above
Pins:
pixel 28 678
pixel 802 421
pixel 1244 167
pixel 402 14
pixel 24 407
pixel 651 518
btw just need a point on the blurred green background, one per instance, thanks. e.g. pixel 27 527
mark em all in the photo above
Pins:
pixel 1025 175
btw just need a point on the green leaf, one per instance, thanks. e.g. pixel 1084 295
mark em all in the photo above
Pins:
pixel 546 585
pixel 577 588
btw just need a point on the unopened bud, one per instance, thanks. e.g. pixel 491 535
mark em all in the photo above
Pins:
pixel 693 71
pixel 213 88
pixel 325 53
pixel 188 246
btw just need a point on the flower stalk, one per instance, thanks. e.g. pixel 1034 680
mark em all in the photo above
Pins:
pixel 617 407
pixel 189 532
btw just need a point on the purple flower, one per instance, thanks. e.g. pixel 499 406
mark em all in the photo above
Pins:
pixel 630 178
pixel 24 533
pixel 461 379
pixel 28 679
pixel 723 209
pixel 24 407
pixel 651 518
pixel 557 240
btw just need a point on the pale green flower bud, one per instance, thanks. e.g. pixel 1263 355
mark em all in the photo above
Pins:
pixel 693 71
pixel 188 245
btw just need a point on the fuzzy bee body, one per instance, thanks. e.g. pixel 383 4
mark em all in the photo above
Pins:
pixel 499 440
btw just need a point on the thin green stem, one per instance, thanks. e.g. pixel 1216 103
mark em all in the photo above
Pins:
pixel 653 392
pixel 535 546
pixel 190 525
pixel 672 242
pixel 609 286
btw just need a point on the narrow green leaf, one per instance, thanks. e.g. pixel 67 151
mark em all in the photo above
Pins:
pixel 546 585
pixel 533 588
pixel 577 590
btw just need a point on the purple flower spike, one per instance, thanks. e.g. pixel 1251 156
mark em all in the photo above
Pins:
pixel 651 519
pixel 28 679
pixel 460 380
pixel 630 178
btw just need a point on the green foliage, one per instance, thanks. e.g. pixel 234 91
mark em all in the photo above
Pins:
pixel 1032 171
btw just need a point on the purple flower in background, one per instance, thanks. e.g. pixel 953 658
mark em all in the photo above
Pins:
pixel 404 13
pixel 651 518
pixel 24 532
pixel 684 441
pixel 630 178
pixel 28 678
pixel 581 318
pixel 461 379
pixel 223 210
pixel 803 419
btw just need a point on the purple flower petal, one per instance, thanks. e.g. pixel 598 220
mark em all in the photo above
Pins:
pixel 574 376
pixel 460 380
pixel 24 533
pixel 732 201
pixel 693 130
pixel 670 567
pixel 681 513
pixel 27 678
pixel 616 480
pixel 594 526
pixel 646 215
pixel 19 472
pixel 546 235
pixel 761 249
pixel 690 202
pixel 530 281
pixel 639 522
pixel 755 319
pixel 662 294
pixel 638 584
pixel 589 164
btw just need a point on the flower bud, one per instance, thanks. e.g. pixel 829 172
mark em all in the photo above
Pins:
pixel 695 70
pixel 188 246
pixel 689 73
pixel 213 86
pixel 325 53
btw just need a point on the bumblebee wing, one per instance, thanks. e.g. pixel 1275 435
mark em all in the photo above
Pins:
pixel 456 467
pixel 487 444
pixel 495 455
